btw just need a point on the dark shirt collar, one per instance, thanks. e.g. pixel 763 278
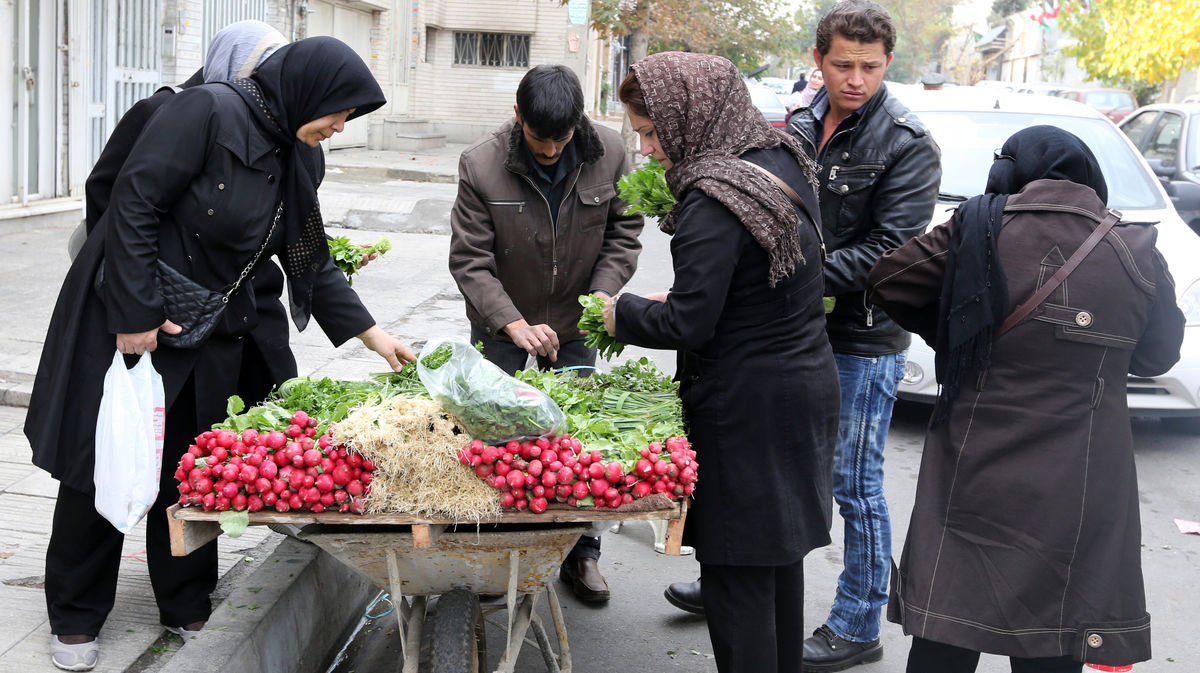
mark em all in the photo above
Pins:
pixel 550 176
pixel 820 106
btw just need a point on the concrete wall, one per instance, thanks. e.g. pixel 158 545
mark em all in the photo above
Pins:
pixel 465 102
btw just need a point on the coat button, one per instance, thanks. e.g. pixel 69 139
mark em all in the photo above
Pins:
pixel 1095 640
pixel 1083 319
pixel 270 179
pixel 210 211
pixel 901 119
pixel 245 319
pixel 221 186
pixel 278 151
pixel 844 189
pixel 595 199
pixel 845 156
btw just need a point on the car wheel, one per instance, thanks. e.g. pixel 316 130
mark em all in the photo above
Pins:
pixel 1185 424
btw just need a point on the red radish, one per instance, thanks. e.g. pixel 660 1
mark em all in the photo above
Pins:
pixel 599 486
pixel 642 489
pixel 483 471
pixel 516 479
pixel 324 483
pixel 502 468
pixel 300 418
pixel 354 488
pixel 580 490
pixel 535 468
pixel 538 505
pixel 312 457
pixel 613 472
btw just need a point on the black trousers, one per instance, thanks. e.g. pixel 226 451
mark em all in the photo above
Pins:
pixel 84 554
pixel 926 656
pixel 755 616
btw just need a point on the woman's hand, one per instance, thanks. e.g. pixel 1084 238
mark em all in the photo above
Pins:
pixel 367 259
pixel 389 347
pixel 610 315
pixel 658 296
pixel 145 342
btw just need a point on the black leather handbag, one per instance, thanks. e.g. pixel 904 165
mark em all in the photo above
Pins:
pixel 190 305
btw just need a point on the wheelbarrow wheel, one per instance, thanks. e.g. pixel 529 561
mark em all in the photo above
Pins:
pixel 455 641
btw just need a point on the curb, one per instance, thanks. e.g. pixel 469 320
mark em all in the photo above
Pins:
pixel 290 615
pixel 351 171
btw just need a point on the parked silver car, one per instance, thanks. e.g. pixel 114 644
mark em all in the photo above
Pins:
pixel 970 123
pixel 1168 135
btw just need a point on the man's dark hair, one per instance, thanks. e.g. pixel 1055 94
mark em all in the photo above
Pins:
pixel 550 100
pixel 858 20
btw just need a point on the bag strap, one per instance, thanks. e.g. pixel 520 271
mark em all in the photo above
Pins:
pixel 250 267
pixel 1059 276
pixel 795 198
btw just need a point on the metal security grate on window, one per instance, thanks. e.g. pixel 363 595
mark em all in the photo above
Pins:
pixel 493 50
pixel 466 49
pixel 516 54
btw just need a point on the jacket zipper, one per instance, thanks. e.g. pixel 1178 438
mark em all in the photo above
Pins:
pixel 554 229
pixel 519 204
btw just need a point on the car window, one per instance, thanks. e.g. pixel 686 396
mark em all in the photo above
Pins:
pixel 969 139
pixel 765 99
pixel 1193 144
pixel 1137 127
pixel 1164 144
pixel 1107 101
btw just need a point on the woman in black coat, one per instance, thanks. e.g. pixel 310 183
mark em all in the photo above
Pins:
pixel 757 376
pixel 240 47
pixel 211 172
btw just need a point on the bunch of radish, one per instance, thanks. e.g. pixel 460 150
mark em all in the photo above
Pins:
pixel 533 473
pixel 288 470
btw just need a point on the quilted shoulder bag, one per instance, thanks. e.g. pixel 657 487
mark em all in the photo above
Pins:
pixel 190 305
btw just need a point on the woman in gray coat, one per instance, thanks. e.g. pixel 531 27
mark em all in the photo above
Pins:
pixel 1025 537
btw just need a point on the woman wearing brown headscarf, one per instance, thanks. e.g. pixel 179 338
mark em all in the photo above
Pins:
pixel 757 378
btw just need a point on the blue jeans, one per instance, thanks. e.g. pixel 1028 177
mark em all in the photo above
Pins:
pixel 868 393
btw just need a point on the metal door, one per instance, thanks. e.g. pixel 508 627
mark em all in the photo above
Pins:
pixel 221 13
pixel 126 63
pixel 27 148
pixel 354 28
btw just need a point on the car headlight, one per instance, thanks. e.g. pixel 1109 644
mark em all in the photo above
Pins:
pixel 913 373
pixel 1189 303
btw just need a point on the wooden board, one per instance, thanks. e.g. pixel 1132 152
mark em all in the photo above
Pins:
pixel 192 527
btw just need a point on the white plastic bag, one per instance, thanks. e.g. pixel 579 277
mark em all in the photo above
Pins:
pixel 493 406
pixel 129 442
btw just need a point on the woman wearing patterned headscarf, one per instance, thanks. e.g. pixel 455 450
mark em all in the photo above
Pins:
pixel 757 377
pixel 222 175
pixel 1025 538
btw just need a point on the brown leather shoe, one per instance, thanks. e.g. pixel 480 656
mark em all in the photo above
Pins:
pixel 585 579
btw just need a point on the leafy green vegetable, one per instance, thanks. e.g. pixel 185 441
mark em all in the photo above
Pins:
pixel 618 413
pixel 349 256
pixel 592 322
pixel 234 523
pixel 646 191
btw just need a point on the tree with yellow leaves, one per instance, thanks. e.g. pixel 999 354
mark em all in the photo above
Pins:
pixel 1131 40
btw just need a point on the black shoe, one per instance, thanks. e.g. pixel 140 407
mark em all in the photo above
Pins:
pixel 827 651
pixel 685 596
pixel 585 579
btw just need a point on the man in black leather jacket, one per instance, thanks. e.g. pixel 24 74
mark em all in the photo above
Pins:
pixel 878 185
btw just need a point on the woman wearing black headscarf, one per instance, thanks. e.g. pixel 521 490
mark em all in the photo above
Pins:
pixel 220 172
pixel 1025 538
pixel 757 378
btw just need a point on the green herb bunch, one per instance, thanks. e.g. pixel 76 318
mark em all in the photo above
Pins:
pixel 592 322
pixel 646 191
pixel 348 256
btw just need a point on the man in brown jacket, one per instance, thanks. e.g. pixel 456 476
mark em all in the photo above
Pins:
pixel 537 223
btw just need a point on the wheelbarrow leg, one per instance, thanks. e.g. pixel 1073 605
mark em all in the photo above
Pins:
pixel 560 629
pixel 412 617
pixel 516 634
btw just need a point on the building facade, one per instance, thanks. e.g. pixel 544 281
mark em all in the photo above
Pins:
pixel 78 65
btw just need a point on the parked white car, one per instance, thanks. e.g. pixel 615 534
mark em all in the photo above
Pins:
pixel 970 123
